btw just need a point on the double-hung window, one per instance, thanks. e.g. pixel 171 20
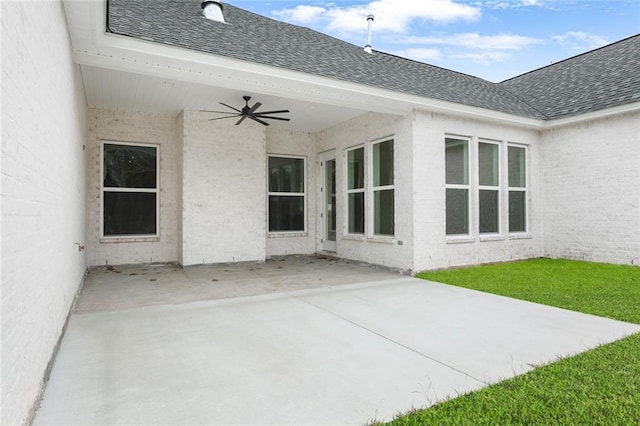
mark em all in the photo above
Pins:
pixel 129 190
pixel 489 187
pixel 383 188
pixel 286 194
pixel 483 188
pixel 371 190
pixel 517 160
pixel 356 190
pixel 457 185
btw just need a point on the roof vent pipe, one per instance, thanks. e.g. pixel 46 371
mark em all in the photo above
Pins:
pixel 212 9
pixel 367 48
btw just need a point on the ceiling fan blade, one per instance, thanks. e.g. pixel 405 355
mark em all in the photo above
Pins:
pixel 282 111
pixel 241 119
pixel 222 118
pixel 229 106
pixel 217 112
pixel 254 118
pixel 275 118
pixel 255 107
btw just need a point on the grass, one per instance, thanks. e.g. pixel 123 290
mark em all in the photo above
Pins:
pixel 602 289
pixel 600 386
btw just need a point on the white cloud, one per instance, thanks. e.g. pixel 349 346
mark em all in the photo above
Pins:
pixel 301 14
pixel 480 49
pixel 393 16
pixel 396 20
pixel 580 40
pixel 483 58
pixel 511 4
pixel 422 54
pixel 477 41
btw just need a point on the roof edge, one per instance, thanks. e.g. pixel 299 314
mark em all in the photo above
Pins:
pixel 569 58
pixel 114 51
pixel 595 115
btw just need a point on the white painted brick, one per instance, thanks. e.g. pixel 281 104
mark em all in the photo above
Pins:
pixel 432 250
pixel 285 142
pixel 124 126
pixel 592 190
pixel 43 195
pixel 363 129
pixel 223 190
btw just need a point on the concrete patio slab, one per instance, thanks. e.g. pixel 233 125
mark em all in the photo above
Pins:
pixel 340 354
pixel 132 286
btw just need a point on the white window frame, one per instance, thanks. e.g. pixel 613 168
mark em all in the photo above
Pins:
pixel 473 187
pixel 470 197
pixel 103 189
pixel 524 189
pixel 368 191
pixel 496 188
pixel 288 194
pixel 362 191
pixel 371 190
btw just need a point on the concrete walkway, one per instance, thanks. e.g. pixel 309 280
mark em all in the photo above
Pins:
pixel 171 347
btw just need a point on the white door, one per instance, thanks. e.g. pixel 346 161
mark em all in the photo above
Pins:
pixel 328 206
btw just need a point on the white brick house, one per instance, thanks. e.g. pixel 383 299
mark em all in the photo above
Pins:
pixel 432 168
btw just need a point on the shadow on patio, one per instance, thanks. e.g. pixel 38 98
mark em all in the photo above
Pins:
pixel 131 286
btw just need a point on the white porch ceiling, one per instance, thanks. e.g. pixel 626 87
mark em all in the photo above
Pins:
pixel 127 91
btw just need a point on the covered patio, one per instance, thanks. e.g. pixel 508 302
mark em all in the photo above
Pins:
pixel 294 340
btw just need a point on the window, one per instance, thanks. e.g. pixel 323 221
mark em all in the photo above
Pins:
pixel 457 186
pixel 371 190
pixel 489 187
pixel 355 190
pixel 383 189
pixel 129 190
pixel 485 185
pixel 517 189
pixel 286 194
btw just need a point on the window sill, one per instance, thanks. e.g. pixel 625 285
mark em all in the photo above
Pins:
pixel 382 239
pixel 520 236
pixel 495 237
pixel 460 240
pixel 150 239
pixel 294 234
pixel 375 239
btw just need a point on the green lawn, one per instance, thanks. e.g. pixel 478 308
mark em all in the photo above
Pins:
pixel 601 386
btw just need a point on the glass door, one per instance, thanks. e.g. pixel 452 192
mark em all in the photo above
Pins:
pixel 328 191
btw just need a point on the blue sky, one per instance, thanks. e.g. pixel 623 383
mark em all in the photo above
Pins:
pixel 491 39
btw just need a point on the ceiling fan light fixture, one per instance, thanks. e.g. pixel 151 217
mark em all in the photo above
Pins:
pixel 250 112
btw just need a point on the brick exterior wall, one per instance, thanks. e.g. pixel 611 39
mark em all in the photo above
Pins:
pixel 43 197
pixel 223 190
pixel 124 126
pixel 291 143
pixel 433 249
pixel 203 222
pixel 592 190
pixel 396 252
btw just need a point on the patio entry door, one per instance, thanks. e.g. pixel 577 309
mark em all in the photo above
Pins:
pixel 328 195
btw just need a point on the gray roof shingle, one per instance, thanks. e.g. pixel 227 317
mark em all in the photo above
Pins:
pixel 602 78
pixel 254 38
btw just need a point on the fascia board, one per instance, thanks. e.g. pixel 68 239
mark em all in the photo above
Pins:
pixel 596 115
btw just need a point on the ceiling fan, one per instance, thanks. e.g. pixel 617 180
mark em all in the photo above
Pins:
pixel 249 112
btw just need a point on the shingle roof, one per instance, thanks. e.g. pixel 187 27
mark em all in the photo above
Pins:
pixel 602 78
pixel 254 38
